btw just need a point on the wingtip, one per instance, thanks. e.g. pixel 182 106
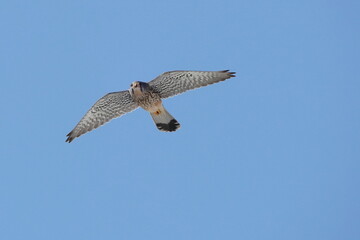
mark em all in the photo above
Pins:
pixel 230 74
pixel 70 137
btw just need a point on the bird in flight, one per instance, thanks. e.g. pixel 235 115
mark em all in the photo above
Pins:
pixel 149 97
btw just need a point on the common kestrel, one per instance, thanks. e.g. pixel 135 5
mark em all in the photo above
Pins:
pixel 149 97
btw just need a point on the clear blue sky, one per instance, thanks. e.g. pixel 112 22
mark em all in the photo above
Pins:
pixel 271 154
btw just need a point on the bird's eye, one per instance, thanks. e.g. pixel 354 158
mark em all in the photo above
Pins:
pixel 131 85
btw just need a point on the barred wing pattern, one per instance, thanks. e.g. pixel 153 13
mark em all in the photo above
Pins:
pixel 110 106
pixel 172 83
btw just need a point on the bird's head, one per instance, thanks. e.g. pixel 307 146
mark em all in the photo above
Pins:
pixel 134 85
pixel 138 86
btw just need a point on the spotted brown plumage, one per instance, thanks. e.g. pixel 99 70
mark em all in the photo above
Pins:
pixel 149 97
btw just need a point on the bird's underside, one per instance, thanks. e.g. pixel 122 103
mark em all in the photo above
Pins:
pixel 149 97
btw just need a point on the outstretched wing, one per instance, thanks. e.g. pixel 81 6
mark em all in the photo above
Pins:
pixel 172 83
pixel 110 106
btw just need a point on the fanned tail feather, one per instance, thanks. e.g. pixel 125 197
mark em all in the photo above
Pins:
pixel 164 121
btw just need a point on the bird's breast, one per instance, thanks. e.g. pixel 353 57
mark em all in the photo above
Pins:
pixel 147 100
pixel 136 92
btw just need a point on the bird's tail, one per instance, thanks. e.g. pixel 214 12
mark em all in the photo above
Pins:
pixel 164 121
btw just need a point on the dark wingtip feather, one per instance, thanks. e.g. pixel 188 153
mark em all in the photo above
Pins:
pixel 70 137
pixel 230 74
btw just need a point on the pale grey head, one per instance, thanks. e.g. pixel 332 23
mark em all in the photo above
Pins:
pixel 139 87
